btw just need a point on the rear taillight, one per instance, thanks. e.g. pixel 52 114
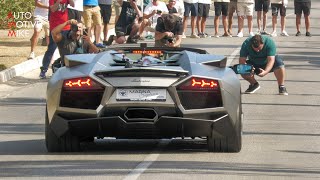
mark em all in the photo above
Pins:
pixel 199 84
pixel 81 93
pixel 199 93
pixel 83 83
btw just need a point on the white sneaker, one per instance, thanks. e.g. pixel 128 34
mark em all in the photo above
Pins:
pixel 284 33
pixel 31 56
pixel 184 36
pixel 194 36
pixel 216 36
pixel 240 34
pixel 251 34
pixel 274 34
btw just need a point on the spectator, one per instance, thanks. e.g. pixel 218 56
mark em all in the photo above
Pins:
pixel 277 5
pixel 261 51
pixel 154 10
pixel 245 8
pixel 203 13
pixel 231 9
pixel 76 11
pixel 58 15
pixel 169 31
pixel 40 22
pixel 305 7
pixel 73 41
pixel 92 16
pixel 262 5
pixel 179 5
pixel 171 8
pixel 221 7
pixel 190 6
pixel 128 24
pixel 117 9
pixel 106 11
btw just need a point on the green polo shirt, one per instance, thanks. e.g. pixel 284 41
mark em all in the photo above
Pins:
pixel 258 58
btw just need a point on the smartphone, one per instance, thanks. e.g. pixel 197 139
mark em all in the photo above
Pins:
pixel 85 32
pixel 242 68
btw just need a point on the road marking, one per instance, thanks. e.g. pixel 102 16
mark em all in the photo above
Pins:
pixel 233 56
pixel 140 168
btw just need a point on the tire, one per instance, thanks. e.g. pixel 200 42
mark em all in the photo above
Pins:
pixel 65 143
pixel 230 143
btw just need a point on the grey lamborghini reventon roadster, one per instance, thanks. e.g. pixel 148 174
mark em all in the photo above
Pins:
pixel 144 92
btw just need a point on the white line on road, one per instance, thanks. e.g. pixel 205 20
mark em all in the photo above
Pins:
pixel 140 168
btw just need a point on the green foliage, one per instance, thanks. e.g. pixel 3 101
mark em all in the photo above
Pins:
pixel 14 6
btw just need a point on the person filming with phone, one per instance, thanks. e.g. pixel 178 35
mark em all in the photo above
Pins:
pixel 261 54
pixel 73 41
pixel 169 31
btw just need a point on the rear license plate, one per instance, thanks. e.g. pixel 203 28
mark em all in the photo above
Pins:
pixel 141 95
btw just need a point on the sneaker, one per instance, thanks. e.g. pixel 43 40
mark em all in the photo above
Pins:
pixel 184 36
pixel 31 56
pixel 100 45
pixel 110 40
pixel 216 36
pixel 132 41
pixel 252 88
pixel 149 37
pixel 251 34
pixel 263 32
pixel 298 33
pixel 308 34
pixel 240 34
pixel 284 33
pixel 194 36
pixel 42 74
pixel 207 35
pixel 201 35
pixel 226 35
pixel 283 90
pixel 274 34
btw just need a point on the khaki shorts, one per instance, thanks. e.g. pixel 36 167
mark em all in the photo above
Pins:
pixel 91 15
pixel 117 8
pixel 245 9
pixel 232 7
pixel 41 23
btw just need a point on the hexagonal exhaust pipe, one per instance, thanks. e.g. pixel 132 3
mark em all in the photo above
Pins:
pixel 141 115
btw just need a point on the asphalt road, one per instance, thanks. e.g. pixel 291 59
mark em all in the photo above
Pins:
pixel 281 138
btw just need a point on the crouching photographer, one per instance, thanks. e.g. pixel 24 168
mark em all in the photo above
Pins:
pixel 72 41
pixel 169 31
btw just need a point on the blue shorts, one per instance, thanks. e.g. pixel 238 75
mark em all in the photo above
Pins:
pixel 193 7
pixel 278 63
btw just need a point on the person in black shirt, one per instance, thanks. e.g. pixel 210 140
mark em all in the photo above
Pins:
pixel 128 23
pixel 169 31
pixel 171 8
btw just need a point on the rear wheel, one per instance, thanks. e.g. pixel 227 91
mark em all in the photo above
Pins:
pixel 65 143
pixel 230 143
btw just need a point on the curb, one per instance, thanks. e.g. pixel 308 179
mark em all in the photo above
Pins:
pixel 21 68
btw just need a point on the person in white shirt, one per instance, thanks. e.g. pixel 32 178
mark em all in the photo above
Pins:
pixel 40 22
pixel 276 6
pixel 245 8
pixel 190 6
pixel 180 7
pixel 203 13
pixel 150 16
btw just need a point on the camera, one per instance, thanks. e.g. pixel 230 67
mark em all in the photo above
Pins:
pixel 170 40
pixel 159 11
pixel 74 27
pixel 242 68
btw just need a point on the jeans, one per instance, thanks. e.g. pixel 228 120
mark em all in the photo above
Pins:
pixel 48 55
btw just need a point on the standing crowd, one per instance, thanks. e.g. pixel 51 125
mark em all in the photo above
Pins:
pixel 62 20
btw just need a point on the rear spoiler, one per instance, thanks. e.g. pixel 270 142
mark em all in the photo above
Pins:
pixel 212 60
pixel 78 59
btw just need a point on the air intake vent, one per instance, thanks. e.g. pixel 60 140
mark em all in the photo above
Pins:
pixel 141 115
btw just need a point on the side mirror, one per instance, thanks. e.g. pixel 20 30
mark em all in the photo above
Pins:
pixel 242 68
